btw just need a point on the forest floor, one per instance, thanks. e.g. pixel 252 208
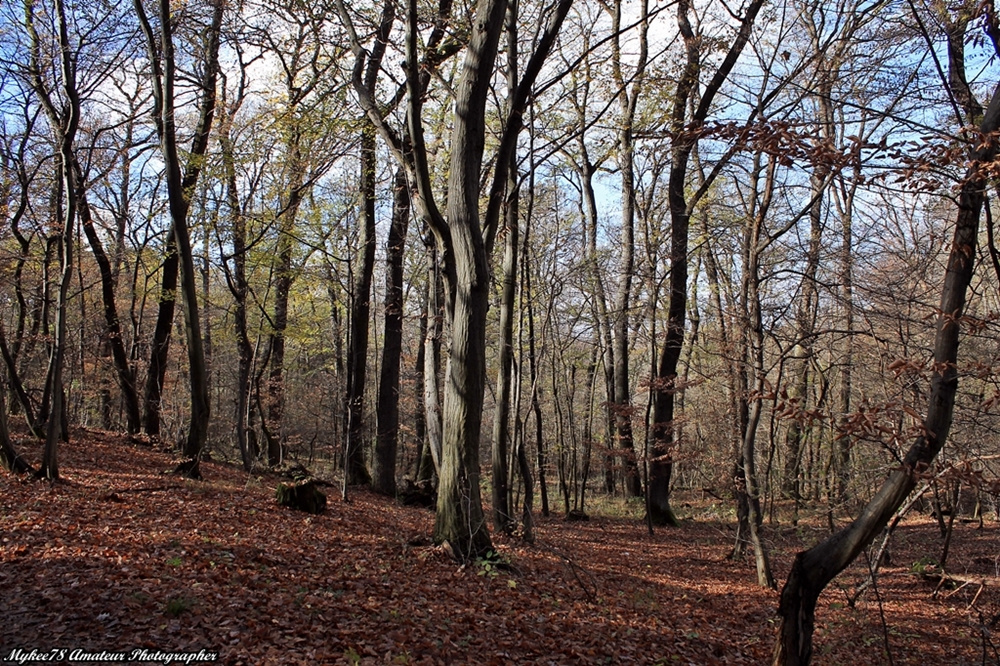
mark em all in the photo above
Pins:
pixel 120 556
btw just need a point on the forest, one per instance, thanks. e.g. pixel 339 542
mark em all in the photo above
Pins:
pixel 664 270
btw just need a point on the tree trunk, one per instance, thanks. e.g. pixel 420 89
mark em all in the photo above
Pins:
pixel 602 317
pixel 628 97
pixel 357 351
pixel 387 415
pixel 805 317
pixel 10 459
pixel 424 464
pixel 460 235
pixel 179 188
pixel 534 379
pixel 275 430
pixel 64 120
pixel 113 332
pixel 16 387
pixel 160 344
pixel 661 467
pixel 239 287
pixel 276 342
pixel 502 519
pixel 432 357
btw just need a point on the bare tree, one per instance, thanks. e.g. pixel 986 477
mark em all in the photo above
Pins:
pixel 181 182
pixel 685 136
pixel 466 241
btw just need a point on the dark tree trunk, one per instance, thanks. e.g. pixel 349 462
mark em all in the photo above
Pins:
pixel 460 523
pixel 533 378
pixel 17 387
pixel 160 344
pixel 10 459
pixel 357 351
pixel 11 352
pixel 239 287
pixel 275 430
pixel 64 120
pixel 276 346
pixel 113 332
pixel 180 185
pixel 661 467
pixel 424 470
pixel 387 409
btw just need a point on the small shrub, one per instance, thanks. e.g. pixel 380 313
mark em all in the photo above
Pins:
pixel 925 565
pixel 178 605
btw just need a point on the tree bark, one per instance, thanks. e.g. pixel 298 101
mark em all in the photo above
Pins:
pixel 180 186
pixel 661 466
pixel 64 121
pixel 240 288
pixel 465 240
pixel 628 97
pixel 10 459
pixel 387 408
pixel 279 319
pixel 113 332
pixel 160 344
pixel 502 519
pixel 357 350
pixel 432 357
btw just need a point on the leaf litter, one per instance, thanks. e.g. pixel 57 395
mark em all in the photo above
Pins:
pixel 121 556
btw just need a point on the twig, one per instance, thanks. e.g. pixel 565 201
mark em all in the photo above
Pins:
pixel 881 611
pixel 574 567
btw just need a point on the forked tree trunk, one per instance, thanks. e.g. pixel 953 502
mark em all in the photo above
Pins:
pixel 180 185
pixel 112 323
pixel 64 120
pixel 805 317
pixel 534 379
pixel 10 459
pixel 160 345
pixel 460 234
pixel 16 387
pixel 661 467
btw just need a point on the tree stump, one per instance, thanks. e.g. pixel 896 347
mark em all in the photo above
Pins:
pixel 302 495
pixel 420 493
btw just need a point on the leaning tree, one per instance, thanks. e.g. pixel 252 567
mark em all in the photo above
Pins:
pixel 815 568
